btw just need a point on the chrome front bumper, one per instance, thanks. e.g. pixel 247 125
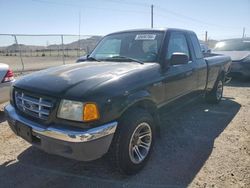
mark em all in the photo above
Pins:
pixel 60 133
pixel 71 142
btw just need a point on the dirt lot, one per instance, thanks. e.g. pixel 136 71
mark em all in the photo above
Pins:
pixel 200 145
pixel 34 63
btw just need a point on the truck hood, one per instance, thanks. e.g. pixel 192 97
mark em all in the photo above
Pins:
pixel 235 55
pixel 82 77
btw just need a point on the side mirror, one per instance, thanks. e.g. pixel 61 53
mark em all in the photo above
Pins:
pixel 178 58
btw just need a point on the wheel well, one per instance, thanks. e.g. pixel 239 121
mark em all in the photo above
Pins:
pixel 222 75
pixel 147 105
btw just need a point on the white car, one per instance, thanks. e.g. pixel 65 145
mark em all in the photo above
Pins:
pixel 6 79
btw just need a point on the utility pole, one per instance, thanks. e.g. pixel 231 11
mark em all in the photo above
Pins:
pixel 63 50
pixel 244 30
pixel 152 16
pixel 205 36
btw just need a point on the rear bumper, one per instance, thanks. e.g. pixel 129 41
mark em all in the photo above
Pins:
pixel 84 145
pixel 5 91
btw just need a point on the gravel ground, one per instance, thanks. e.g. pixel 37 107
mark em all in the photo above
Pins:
pixel 200 145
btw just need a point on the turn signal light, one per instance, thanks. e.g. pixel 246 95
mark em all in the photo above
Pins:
pixel 90 112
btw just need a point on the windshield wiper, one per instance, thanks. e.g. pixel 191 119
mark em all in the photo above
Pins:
pixel 127 58
pixel 92 59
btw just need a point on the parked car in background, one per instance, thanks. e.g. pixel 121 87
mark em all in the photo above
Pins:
pixel 205 49
pixel 239 51
pixel 110 102
pixel 6 79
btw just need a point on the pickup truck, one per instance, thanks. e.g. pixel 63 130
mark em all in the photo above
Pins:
pixel 109 103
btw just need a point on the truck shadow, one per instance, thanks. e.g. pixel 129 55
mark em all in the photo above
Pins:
pixel 186 142
pixel 2 116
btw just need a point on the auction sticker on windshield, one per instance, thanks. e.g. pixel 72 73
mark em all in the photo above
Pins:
pixel 145 37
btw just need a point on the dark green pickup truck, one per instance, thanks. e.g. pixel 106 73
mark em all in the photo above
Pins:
pixel 109 103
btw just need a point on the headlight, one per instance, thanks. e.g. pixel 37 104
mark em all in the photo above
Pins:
pixel 78 111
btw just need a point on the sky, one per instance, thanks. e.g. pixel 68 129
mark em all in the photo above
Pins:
pixel 220 18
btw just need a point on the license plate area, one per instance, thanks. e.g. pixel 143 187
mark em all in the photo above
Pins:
pixel 24 131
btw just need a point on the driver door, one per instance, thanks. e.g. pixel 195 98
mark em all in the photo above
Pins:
pixel 180 78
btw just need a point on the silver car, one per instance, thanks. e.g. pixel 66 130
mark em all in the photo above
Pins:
pixel 6 79
pixel 239 51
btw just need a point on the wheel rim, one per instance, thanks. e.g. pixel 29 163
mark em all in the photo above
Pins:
pixel 219 90
pixel 140 143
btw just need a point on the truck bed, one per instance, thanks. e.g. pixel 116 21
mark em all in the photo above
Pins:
pixel 215 64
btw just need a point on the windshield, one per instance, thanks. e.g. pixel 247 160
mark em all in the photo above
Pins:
pixel 139 46
pixel 233 45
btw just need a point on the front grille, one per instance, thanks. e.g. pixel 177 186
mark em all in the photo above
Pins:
pixel 32 105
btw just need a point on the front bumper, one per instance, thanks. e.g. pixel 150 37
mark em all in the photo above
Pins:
pixel 84 145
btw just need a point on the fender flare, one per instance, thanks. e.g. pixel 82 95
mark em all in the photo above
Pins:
pixel 137 97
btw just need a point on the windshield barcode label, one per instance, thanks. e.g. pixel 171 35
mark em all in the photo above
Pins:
pixel 145 37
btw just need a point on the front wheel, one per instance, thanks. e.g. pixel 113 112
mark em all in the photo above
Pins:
pixel 133 141
pixel 215 95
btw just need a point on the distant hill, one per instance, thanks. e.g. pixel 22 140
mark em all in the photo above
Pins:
pixel 88 43
pixel 85 44
pixel 15 47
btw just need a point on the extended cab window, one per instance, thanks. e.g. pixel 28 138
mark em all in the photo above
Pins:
pixel 197 47
pixel 177 43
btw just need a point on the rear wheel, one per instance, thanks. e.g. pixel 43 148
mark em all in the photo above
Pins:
pixel 215 95
pixel 133 141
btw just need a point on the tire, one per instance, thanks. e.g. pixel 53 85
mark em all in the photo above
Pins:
pixel 215 95
pixel 126 143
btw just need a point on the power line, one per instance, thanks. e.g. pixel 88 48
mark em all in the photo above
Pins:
pixel 92 7
pixel 166 11
pixel 129 3
pixel 177 16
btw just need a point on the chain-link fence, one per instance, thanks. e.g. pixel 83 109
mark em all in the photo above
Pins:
pixel 35 52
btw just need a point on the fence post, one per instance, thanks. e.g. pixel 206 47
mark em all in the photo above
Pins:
pixel 63 50
pixel 20 53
